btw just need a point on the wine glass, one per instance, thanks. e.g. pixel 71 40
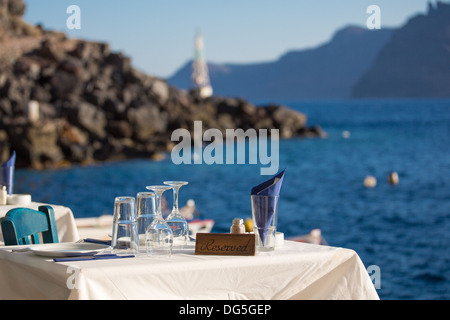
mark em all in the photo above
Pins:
pixel 175 220
pixel 159 236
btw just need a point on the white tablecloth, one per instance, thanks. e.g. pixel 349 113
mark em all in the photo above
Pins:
pixel 294 271
pixel 65 222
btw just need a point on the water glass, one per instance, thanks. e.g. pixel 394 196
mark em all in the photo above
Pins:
pixel 145 210
pixel 125 238
pixel 265 219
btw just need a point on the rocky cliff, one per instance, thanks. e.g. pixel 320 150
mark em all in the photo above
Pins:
pixel 95 106
pixel 415 63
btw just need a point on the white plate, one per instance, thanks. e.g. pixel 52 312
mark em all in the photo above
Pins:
pixel 58 250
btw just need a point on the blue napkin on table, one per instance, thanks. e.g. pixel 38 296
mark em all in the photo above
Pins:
pixel 95 257
pixel 7 175
pixel 270 187
pixel 105 242
pixel 264 208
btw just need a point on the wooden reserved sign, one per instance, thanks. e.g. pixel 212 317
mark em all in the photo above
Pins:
pixel 225 244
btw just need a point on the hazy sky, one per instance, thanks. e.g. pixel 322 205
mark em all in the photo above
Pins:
pixel 159 34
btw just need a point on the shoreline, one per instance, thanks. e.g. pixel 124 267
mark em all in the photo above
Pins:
pixel 308 133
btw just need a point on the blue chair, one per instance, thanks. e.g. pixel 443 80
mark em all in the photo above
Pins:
pixel 20 225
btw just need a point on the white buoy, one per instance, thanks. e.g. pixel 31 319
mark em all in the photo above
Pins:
pixel 346 134
pixel 393 178
pixel 370 182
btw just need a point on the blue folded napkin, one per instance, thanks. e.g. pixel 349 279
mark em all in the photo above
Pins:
pixel 6 174
pixel 264 207
pixel 270 187
pixel 11 162
pixel 105 242
pixel 95 257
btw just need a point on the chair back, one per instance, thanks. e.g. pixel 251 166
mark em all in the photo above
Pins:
pixel 22 226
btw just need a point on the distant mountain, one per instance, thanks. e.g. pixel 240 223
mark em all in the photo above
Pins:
pixel 328 71
pixel 415 62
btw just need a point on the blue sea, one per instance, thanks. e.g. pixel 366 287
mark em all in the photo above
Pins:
pixel 402 229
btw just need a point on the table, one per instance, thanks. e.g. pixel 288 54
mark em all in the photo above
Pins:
pixel 65 221
pixel 293 271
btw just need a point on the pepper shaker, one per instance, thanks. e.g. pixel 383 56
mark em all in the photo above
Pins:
pixel 237 226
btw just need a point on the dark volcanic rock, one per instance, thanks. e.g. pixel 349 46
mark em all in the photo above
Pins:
pixel 94 106
pixel 11 22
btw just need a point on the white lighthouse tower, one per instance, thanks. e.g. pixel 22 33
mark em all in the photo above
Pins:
pixel 200 74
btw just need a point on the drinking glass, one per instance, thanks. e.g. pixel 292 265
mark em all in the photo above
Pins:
pixel 265 219
pixel 125 238
pixel 159 236
pixel 145 210
pixel 175 220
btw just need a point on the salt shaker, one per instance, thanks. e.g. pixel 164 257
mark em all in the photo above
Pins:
pixel 238 226
pixel 3 195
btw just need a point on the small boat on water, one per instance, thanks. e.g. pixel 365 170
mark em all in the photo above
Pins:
pixel 314 237
pixel 200 226
pixel 195 222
